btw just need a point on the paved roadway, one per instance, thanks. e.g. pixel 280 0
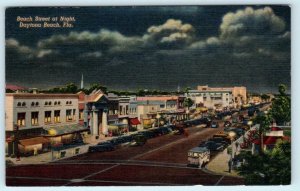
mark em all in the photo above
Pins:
pixel 161 161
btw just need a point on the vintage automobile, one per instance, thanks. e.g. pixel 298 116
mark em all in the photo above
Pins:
pixel 198 156
pixel 102 147
pixel 214 124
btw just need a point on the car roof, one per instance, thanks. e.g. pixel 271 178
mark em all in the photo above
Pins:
pixel 199 149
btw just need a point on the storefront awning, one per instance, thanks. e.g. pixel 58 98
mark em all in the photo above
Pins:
pixel 134 121
pixel 33 141
pixel 66 129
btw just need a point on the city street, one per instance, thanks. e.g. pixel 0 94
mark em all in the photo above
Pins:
pixel 161 161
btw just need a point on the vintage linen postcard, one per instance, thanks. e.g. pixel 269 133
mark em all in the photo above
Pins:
pixel 148 95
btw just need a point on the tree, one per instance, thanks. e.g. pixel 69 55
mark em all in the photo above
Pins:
pixel 71 88
pixel 141 92
pixel 264 122
pixel 281 106
pixel 188 102
pixel 187 89
pixel 271 168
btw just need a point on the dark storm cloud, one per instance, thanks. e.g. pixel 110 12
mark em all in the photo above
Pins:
pixel 252 47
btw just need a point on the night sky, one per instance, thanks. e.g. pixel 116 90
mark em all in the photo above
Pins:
pixel 152 47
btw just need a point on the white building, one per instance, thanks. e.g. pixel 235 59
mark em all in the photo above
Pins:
pixel 41 119
pixel 218 97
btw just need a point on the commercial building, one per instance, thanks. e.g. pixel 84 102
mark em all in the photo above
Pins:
pixel 218 97
pixel 153 108
pixel 33 121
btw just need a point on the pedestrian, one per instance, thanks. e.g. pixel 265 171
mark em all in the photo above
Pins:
pixel 229 165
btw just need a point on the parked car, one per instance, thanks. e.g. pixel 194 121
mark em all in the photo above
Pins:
pixel 138 140
pixel 101 147
pixel 227 124
pixel 220 140
pixel 214 124
pixel 212 146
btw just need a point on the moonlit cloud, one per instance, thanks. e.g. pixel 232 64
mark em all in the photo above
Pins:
pixel 249 22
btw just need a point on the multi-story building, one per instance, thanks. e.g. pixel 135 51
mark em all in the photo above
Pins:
pixel 149 108
pixel 218 97
pixel 33 121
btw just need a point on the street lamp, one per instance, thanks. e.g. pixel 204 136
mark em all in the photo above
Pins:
pixel 158 117
pixel 232 135
pixel 187 114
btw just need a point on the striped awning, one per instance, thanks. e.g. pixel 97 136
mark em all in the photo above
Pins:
pixel 65 129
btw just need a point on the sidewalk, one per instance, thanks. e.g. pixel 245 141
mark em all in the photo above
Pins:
pixel 219 165
pixel 56 155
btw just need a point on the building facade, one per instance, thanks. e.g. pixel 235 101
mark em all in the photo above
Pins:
pixel 218 97
pixel 36 120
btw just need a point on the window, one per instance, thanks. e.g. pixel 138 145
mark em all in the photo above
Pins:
pixel 58 102
pixel 56 116
pixel 50 102
pixel 126 109
pixel 70 102
pixel 47 116
pixel 34 118
pixel 67 102
pixel 74 114
pixel 32 104
pixel 68 115
pixel 121 110
pixel 46 103
pixel 162 106
pixel 36 103
pixel 80 114
pixel 21 119
pixel 23 104
pixel 55 103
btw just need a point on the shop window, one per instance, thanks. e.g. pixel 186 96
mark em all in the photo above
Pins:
pixel 21 119
pixel 56 116
pixel 74 114
pixel 68 115
pixel 34 118
pixel 47 116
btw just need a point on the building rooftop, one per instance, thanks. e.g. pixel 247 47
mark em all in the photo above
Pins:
pixel 157 98
pixel 41 95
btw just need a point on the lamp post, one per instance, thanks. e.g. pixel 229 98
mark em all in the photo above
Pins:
pixel 158 117
pixel 187 114
pixel 231 134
